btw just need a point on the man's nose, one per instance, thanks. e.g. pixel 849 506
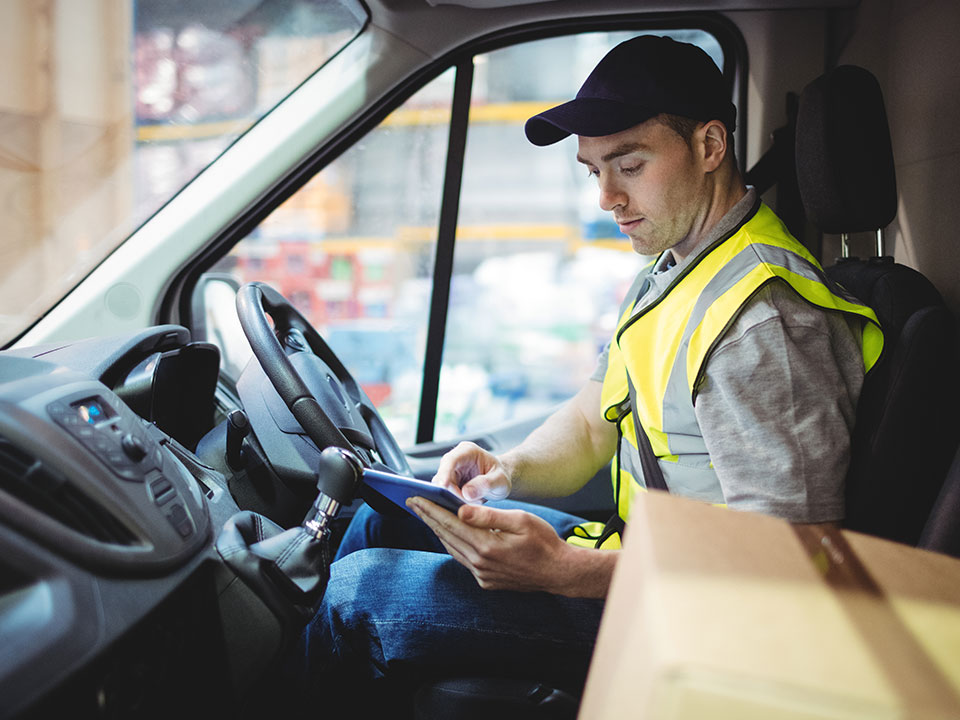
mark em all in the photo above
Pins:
pixel 611 195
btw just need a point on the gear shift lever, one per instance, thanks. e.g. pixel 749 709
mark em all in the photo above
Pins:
pixel 338 475
pixel 289 569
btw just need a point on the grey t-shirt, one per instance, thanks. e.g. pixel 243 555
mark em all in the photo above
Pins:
pixel 779 398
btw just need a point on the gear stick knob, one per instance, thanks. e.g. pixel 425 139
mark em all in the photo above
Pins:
pixel 338 475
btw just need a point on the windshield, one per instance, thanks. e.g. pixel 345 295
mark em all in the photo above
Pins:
pixel 108 108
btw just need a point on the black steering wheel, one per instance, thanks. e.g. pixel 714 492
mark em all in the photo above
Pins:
pixel 325 399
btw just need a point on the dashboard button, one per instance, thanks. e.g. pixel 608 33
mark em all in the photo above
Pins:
pixel 163 491
pixel 101 444
pixel 180 520
pixel 57 411
pixel 133 447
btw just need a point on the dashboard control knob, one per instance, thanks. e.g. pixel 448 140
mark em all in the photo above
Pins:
pixel 133 447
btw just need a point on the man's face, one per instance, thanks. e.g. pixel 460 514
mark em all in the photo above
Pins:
pixel 649 178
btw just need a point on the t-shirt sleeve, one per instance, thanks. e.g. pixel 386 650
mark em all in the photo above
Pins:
pixel 778 404
pixel 600 370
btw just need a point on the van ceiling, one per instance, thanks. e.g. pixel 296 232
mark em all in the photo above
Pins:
pixel 667 6
pixel 416 21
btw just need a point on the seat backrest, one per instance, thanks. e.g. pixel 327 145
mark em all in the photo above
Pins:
pixel 907 426
pixel 942 531
pixel 907 421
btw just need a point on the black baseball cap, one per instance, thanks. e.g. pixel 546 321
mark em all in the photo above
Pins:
pixel 637 80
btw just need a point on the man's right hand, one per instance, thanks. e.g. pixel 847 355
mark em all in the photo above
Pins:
pixel 473 473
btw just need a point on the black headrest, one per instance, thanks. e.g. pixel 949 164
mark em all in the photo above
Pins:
pixel 844 157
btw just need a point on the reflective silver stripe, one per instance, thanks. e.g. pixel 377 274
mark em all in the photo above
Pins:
pixel 628 459
pixel 676 398
pixel 629 462
pixel 678 424
pixel 691 475
pixel 729 275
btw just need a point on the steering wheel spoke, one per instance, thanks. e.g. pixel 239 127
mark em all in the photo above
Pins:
pixel 326 401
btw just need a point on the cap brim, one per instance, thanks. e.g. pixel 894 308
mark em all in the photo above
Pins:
pixel 590 117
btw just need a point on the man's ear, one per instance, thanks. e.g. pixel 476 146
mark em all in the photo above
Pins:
pixel 714 144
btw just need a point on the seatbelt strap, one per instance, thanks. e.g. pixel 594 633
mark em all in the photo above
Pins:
pixel 615 525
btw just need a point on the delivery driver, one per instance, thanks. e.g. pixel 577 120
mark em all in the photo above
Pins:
pixel 733 377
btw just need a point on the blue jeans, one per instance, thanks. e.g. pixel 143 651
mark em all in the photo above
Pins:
pixel 408 615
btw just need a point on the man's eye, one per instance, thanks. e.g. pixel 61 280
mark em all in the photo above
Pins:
pixel 632 170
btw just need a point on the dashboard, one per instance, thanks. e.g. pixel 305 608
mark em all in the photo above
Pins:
pixel 113 599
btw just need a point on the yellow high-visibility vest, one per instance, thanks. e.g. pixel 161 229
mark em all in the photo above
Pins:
pixel 664 348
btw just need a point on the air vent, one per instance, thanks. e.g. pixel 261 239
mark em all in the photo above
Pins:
pixel 29 480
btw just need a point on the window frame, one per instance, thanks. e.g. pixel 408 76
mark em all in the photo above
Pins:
pixel 176 305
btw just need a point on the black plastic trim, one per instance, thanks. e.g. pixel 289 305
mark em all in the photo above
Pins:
pixel 446 239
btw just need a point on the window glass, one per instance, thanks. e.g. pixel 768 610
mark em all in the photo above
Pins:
pixel 539 269
pixel 204 72
pixel 354 249
pixel 110 107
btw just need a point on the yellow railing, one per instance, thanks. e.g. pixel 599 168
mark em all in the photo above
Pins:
pixel 466 233
pixel 515 113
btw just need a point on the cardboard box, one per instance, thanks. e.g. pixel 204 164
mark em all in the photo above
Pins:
pixel 716 614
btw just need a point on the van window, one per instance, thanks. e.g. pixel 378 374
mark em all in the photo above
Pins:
pixel 538 273
pixel 353 250
pixel 539 270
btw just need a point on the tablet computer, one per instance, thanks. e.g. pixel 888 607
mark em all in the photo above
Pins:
pixel 398 488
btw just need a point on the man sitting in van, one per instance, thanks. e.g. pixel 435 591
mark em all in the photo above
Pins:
pixel 733 378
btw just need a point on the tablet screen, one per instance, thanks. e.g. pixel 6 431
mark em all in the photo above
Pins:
pixel 398 488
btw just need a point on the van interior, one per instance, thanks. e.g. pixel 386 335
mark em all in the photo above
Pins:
pixel 239 234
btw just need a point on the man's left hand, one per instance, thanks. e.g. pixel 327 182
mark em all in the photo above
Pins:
pixel 504 549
